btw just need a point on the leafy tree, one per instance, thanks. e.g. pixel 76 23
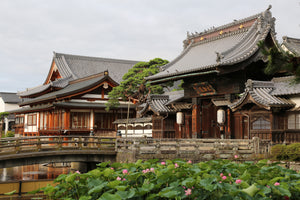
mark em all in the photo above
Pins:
pixel 280 61
pixel 2 117
pixel 134 87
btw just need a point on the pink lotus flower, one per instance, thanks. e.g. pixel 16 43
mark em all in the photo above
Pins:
pixel 124 179
pixel 190 162
pixel 267 186
pixel 236 156
pixel 276 184
pixel 188 192
pixel 176 165
pixel 229 174
pixel 78 172
pixel 221 174
pixel 163 163
pixel 125 171
pixel 224 177
pixel 118 178
pixel 112 168
pixel 152 169
pixel 238 181
pixel 220 181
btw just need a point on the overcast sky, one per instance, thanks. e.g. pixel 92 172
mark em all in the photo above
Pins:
pixel 30 30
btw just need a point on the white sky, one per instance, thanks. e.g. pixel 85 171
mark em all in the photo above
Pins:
pixel 30 30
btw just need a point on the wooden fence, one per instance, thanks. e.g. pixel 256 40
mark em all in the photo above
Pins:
pixel 17 145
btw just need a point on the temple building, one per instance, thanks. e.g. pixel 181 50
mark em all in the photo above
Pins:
pixel 72 98
pixel 226 92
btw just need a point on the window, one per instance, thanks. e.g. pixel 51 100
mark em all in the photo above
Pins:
pixel 294 121
pixel 261 124
pixel 80 120
pixel 31 120
pixel 19 120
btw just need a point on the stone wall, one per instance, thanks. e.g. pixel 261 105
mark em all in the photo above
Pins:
pixel 132 149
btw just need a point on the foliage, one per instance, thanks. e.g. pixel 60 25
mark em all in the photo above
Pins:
pixel 177 179
pixel 280 61
pixel 3 115
pixel 286 152
pixel 134 86
pixel 10 134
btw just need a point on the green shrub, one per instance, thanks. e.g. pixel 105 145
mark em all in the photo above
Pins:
pixel 278 152
pixel 10 134
pixel 286 152
pixel 292 151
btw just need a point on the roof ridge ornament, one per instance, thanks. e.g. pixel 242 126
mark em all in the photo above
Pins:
pixel 219 57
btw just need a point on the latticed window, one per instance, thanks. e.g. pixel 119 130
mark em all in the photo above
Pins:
pixel 31 120
pixel 80 119
pixel 294 121
pixel 261 124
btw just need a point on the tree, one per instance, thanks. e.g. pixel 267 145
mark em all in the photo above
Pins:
pixel 280 61
pixel 2 117
pixel 134 87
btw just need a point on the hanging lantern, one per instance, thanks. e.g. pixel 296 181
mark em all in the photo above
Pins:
pixel 221 116
pixel 179 118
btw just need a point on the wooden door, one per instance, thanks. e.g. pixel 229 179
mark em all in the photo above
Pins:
pixel 209 121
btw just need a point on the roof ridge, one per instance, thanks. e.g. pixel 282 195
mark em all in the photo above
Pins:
pixel 215 29
pixel 73 56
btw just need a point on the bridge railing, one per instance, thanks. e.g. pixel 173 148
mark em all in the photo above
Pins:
pixel 53 143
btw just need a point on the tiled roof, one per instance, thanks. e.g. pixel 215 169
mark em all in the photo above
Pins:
pixel 59 83
pixel 292 44
pixel 85 105
pixel 9 97
pixel 73 67
pixel 165 103
pixel 76 66
pixel 285 86
pixel 215 48
pixel 260 93
pixel 68 90
pixel 134 120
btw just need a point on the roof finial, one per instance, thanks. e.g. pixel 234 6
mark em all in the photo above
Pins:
pixel 270 6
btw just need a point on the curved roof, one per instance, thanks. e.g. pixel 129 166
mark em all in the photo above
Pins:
pixel 73 67
pixel 292 45
pixel 73 88
pixel 76 66
pixel 221 46
pixel 261 93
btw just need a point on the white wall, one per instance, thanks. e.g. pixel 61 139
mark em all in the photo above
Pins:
pixel 296 100
pixel 11 106
pixel 2 105
pixel 31 128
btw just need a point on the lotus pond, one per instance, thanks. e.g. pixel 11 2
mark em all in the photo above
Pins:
pixel 178 179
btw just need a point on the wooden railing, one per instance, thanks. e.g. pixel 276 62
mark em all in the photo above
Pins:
pixel 53 143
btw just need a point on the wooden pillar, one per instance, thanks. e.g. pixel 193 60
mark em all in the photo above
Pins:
pixel 67 119
pixel 228 124
pixel 195 118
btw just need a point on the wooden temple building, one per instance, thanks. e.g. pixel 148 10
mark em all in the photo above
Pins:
pixel 72 98
pixel 226 92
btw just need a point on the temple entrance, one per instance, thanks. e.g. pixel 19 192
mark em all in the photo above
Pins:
pixel 240 125
pixel 209 124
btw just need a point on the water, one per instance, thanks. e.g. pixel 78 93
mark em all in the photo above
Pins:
pixel 35 172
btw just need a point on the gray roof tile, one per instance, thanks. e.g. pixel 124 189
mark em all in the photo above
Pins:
pixel 226 49
pixel 9 97
pixel 261 93
pixel 82 66
pixel 292 44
